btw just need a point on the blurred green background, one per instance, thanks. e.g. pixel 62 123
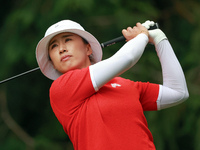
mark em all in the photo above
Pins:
pixel 26 119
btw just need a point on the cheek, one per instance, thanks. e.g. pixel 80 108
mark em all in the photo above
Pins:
pixel 80 50
pixel 53 56
pixel 83 55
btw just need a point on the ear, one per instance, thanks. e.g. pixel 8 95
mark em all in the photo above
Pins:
pixel 89 49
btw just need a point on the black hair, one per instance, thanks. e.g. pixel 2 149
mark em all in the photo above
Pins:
pixel 85 41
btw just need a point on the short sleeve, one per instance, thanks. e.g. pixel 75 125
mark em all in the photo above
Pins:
pixel 69 91
pixel 148 95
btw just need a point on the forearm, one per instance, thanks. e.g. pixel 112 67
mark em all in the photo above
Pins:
pixel 121 61
pixel 174 89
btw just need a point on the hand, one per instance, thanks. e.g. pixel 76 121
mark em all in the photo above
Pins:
pixel 148 24
pixel 156 35
pixel 131 33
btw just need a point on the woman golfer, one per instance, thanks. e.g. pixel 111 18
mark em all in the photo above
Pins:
pixel 97 109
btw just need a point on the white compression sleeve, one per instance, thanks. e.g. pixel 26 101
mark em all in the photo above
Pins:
pixel 174 89
pixel 121 61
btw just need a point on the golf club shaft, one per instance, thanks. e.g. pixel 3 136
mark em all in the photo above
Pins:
pixel 103 45
pixel 21 74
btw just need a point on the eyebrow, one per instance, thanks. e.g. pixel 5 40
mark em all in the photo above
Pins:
pixel 64 36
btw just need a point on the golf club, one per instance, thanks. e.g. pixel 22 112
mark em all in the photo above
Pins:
pixel 103 45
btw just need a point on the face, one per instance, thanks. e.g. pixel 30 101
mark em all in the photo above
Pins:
pixel 68 52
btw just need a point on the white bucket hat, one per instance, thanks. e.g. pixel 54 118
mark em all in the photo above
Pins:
pixel 42 55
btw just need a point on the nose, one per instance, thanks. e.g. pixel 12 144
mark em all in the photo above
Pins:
pixel 62 48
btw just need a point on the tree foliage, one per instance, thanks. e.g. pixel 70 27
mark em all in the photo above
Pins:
pixel 25 100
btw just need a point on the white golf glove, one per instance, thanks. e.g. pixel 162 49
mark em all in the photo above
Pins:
pixel 155 35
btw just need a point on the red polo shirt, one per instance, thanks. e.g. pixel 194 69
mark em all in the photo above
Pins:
pixel 109 119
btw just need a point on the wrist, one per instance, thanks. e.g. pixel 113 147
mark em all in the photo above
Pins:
pixel 145 32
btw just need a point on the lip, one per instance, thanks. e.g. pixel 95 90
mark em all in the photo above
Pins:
pixel 65 57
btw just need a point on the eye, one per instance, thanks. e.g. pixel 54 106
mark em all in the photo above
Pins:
pixel 53 46
pixel 67 39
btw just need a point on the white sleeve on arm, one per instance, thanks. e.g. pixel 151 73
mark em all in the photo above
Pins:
pixel 174 89
pixel 125 58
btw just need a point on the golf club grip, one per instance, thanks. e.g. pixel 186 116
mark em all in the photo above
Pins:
pixel 122 38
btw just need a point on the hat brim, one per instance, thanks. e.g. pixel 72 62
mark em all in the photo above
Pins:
pixel 42 55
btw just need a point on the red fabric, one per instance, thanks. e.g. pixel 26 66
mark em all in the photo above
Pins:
pixel 110 119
